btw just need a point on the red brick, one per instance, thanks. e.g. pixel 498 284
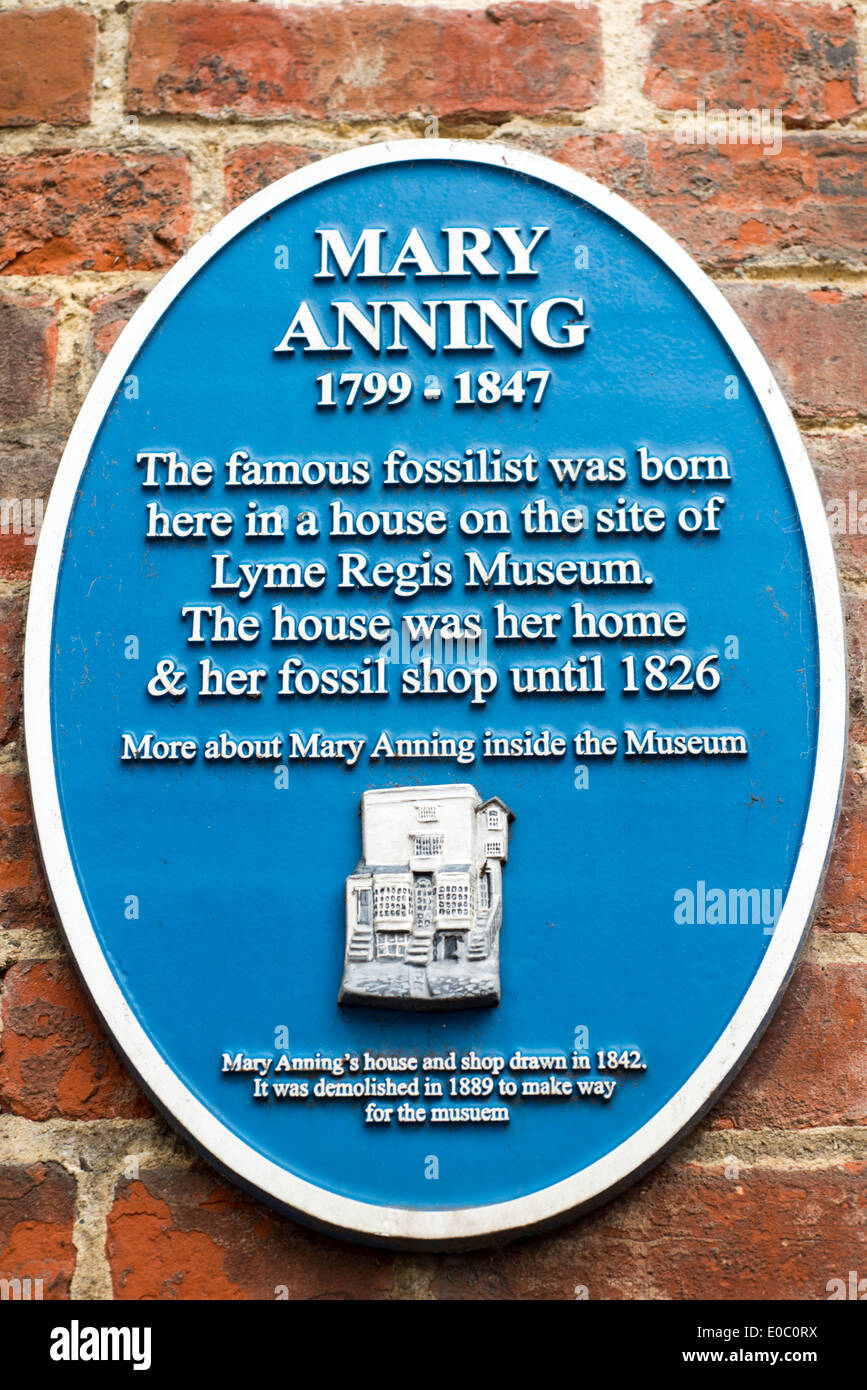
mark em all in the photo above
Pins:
pixel 24 900
pixel 16 550
pixel 363 60
pixel 686 1232
pixel 37 1213
pixel 27 468
pixel 800 58
pixel 54 1061
pixel 252 167
pixel 810 1068
pixel 12 610
pixel 840 462
pixel 812 340
pixel 843 905
pixel 182 1235
pixel 46 68
pixel 855 613
pixel 92 210
pixel 109 316
pixel 738 205
pixel 28 464
pixel 28 345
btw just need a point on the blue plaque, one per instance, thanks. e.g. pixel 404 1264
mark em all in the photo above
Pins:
pixel 434 693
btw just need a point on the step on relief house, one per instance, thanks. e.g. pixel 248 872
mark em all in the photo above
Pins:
pixel 425 905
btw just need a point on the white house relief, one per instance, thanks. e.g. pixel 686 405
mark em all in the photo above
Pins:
pixel 425 904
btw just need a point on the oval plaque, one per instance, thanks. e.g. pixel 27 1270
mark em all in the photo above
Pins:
pixel 435 693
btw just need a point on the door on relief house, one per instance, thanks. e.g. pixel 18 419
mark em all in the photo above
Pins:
pixel 423 903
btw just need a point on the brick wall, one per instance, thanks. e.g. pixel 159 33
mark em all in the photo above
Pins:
pixel 127 130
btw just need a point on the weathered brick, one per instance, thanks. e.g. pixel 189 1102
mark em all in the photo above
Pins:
pixel 810 1068
pixel 16 550
pixel 738 204
pixel 843 905
pixel 685 1232
pixel 54 1061
pixel 251 167
pixel 46 67
pixel 21 513
pixel 855 613
pixel 812 340
pixel 12 612
pixel 28 345
pixel 27 468
pixel 28 463
pixel 800 58
pixel 37 1213
pixel 92 210
pixel 182 1235
pixel 24 900
pixel 363 60
pixel 109 316
pixel 840 462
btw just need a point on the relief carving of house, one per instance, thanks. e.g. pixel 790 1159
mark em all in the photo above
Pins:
pixel 425 904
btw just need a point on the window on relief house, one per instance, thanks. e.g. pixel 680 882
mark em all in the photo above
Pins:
pixel 391 945
pixel 453 899
pixel 484 893
pixel 427 813
pixel 391 901
pixel 427 846
pixel 493 818
pixel 494 847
